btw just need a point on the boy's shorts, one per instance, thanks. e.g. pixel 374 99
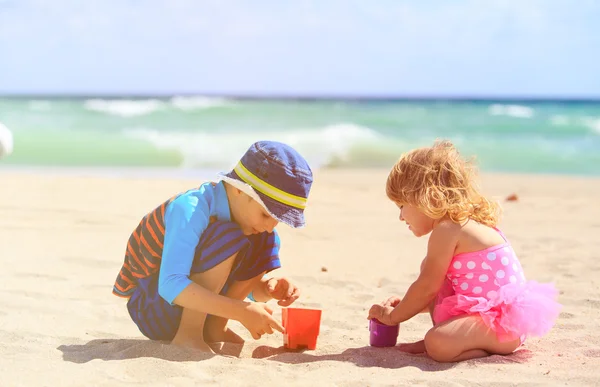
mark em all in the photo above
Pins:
pixel 259 253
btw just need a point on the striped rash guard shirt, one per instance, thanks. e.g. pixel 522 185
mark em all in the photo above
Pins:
pixel 166 239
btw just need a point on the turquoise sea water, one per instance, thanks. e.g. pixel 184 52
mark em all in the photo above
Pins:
pixel 211 133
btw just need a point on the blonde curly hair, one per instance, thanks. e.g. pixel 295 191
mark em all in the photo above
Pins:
pixel 440 183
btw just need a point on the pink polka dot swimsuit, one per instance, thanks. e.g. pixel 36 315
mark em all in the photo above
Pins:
pixel 483 272
pixel 491 283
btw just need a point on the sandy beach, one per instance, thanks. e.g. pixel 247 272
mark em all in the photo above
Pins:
pixel 62 238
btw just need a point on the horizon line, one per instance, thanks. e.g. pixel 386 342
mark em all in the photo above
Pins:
pixel 305 97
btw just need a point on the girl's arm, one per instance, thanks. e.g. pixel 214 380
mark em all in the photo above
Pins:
pixel 440 250
pixel 393 301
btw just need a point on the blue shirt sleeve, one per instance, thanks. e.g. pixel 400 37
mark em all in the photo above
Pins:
pixel 186 219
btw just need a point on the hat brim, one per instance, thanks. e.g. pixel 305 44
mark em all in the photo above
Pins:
pixel 291 216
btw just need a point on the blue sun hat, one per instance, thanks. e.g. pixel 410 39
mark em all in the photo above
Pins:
pixel 276 176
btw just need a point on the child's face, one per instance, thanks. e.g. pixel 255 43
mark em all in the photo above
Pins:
pixel 419 223
pixel 249 215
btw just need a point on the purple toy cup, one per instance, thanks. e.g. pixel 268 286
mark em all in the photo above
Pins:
pixel 383 335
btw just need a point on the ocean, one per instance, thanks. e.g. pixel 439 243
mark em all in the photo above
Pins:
pixel 202 133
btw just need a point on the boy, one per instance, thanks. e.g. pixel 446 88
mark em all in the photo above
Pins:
pixel 193 260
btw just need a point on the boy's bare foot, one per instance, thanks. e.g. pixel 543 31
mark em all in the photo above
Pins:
pixel 413 348
pixel 192 342
pixel 220 335
pixel 216 330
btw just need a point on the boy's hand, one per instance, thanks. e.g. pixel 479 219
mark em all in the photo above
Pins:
pixel 283 290
pixel 258 319
pixel 382 313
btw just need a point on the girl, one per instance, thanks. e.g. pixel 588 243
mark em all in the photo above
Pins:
pixel 471 281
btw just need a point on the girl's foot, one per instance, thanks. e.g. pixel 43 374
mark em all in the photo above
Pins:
pixel 413 348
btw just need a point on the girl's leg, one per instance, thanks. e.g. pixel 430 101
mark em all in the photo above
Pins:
pixel 463 338
pixel 215 329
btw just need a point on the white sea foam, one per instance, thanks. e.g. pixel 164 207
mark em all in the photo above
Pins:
pixel 124 107
pixel 199 102
pixel 517 111
pixel 134 108
pixel 592 123
pixel 320 146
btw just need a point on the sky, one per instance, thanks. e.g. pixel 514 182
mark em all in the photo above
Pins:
pixel 427 48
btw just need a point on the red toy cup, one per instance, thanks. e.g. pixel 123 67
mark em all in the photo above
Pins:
pixel 302 327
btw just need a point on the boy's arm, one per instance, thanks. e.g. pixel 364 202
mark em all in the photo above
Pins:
pixel 440 250
pixel 265 261
pixel 260 292
pixel 198 298
pixel 186 219
pixel 279 288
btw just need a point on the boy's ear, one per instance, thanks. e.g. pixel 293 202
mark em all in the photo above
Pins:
pixel 239 192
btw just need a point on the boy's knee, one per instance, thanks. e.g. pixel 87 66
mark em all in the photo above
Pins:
pixel 219 241
pixel 214 278
pixel 220 232
pixel 219 246
pixel 223 226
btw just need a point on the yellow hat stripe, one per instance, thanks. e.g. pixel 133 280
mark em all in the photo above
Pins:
pixel 269 190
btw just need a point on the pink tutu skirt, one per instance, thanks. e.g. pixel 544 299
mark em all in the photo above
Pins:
pixel 517 310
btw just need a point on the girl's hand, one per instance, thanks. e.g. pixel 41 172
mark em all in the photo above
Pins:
pixel 393 301
pixel 381 313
